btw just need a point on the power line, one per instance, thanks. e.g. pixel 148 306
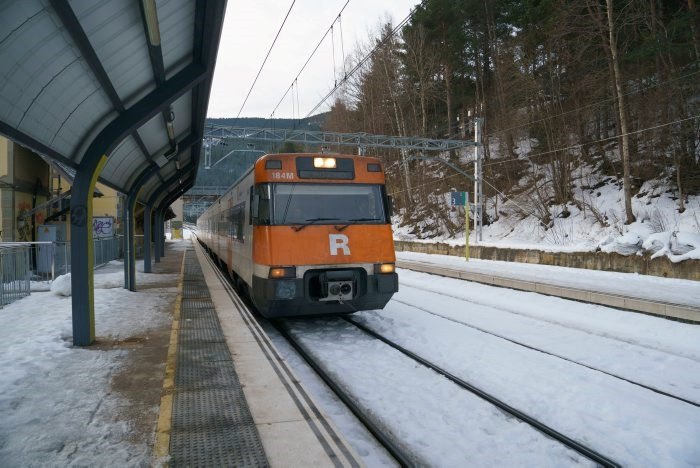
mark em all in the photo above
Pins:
pixel 556 150
pixel 266 56
pixel 365 58
pixel 442 129
pixel 636 91
pixel 309 59
pixel 342 45
pixel 592 142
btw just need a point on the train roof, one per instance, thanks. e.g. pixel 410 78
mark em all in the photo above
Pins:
pixel 315 167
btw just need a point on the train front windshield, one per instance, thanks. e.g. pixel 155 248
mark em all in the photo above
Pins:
pixel 324 203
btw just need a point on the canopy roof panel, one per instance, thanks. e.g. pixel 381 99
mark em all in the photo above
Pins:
pixel 70 68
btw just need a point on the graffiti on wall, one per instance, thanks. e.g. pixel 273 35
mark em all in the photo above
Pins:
pixel 103 226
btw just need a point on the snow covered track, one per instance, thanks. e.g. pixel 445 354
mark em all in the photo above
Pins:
pixel 524 345
pixel 628 422
pixel 304 335
pixel 580 448
pixel 394 449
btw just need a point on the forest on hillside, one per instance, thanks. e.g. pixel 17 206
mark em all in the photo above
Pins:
pixel 574 96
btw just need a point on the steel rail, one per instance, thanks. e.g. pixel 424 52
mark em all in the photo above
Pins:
pixel 533 348
pixel 540 426
pixel 401 456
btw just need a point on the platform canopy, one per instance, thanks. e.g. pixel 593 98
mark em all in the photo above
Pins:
pixel 69 69
pixel 116 91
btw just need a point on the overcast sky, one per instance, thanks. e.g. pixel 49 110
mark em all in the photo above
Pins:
pixel 250 27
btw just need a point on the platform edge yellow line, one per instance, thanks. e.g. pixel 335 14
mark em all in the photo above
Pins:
pixel 161 448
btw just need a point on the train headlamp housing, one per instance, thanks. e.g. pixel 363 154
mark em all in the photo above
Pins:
pixel 324 163
pixel 282 272
pixel 384 268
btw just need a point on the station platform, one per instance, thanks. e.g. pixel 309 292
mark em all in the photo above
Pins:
pixel 229 398
pixel 669 298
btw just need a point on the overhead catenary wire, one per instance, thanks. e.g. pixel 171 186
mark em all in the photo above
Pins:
pixel 309 59
pixel 499 161
pixel 296 82
pixel 365 58
pixel 266 57
pixel 342 44
pixel 335 78
pixel 442 129
pixel 602 101
pixel 578 145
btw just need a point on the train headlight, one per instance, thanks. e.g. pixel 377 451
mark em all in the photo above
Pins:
pixel 324 163
pixel 282 272
pixel 384 268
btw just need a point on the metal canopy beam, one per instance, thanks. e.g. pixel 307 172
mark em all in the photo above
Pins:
pixel 72 25
pixel 141 179
pixel 32 143
pixel 214 133
pixel 160 210
pixel 129 223
pixel 81 200
pixel 156 200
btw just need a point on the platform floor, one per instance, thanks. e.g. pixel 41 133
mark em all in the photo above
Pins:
pixel 211 422
pixel 235 401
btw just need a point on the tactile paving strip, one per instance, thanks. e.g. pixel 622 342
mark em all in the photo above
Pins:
pixel 211 421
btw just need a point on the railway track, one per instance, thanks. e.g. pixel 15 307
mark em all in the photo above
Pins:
pixel 392 446
pixel 548 320
pixel 382 438
pixel 539 350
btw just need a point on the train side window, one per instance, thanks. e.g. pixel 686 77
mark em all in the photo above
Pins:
pixel 250 206
pixel 239 218
pixel 260 206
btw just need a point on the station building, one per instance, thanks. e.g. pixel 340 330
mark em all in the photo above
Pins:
pixel 35 191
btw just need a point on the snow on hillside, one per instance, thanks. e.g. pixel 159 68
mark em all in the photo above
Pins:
pixel 595 222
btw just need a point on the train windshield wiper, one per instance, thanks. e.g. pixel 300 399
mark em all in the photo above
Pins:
pixel 312 221
pixel 354 221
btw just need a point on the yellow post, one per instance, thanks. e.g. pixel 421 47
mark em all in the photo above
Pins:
pixel 466 224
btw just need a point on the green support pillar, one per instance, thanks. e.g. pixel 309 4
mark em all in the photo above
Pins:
pixel 129 249
pixel 157 228
pixel 81 249
pixel 94 158
pixel 147 238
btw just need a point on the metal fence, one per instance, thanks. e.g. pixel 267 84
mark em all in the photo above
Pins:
pixel 15 274
pixel 48 260
pixel 23 262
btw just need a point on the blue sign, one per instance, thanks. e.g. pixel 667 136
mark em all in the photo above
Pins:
pixel 459 198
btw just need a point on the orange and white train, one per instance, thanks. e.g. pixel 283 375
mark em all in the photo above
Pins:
pixel 306 234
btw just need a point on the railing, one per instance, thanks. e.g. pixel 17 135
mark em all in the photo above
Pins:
pixel 48 260
pixel 23 262
pixel 14 273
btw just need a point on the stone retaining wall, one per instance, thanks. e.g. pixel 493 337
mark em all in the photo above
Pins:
pixel 688 269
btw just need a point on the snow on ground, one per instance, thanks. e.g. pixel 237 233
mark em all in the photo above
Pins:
pixel 364 443
pixel 658 352
pixel 654 288
pixel 659 230
pixel 112 276
pixel 654 332
pixel 56 405
pixel 436 421
pixel 453 323
pixel 632 425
